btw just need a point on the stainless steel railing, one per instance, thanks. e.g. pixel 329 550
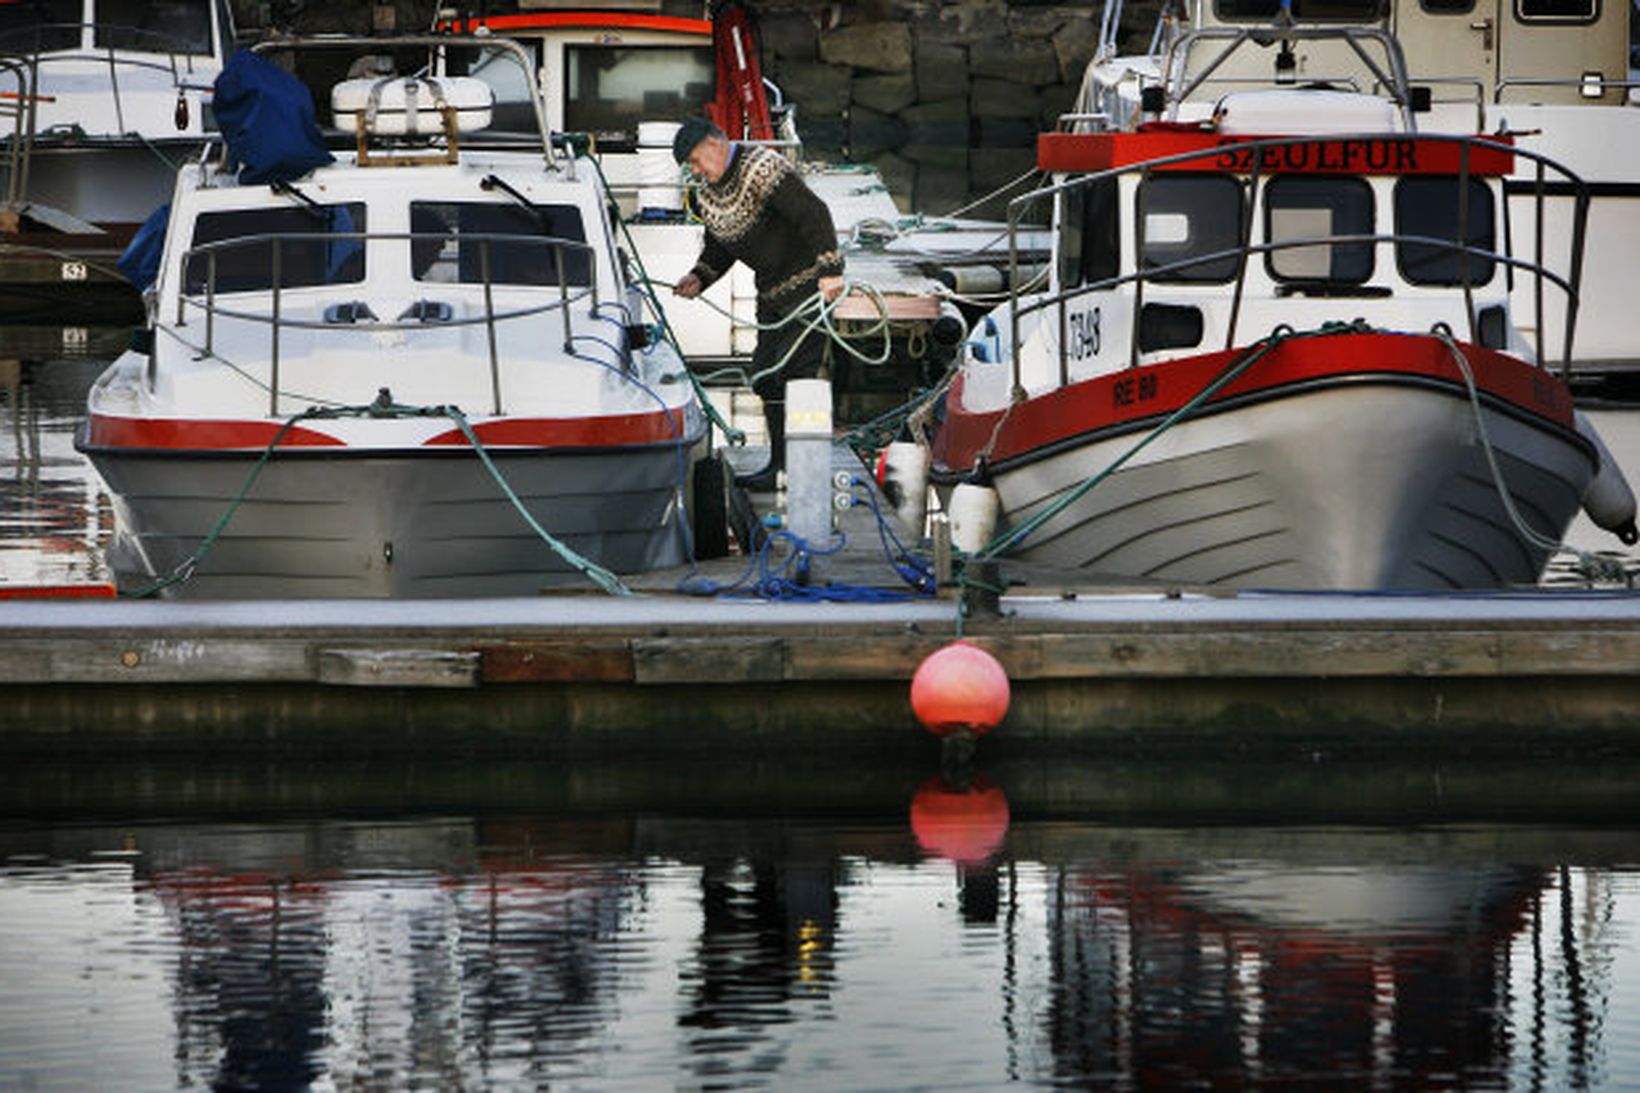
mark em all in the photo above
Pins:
pixel 201 295
pixel 1567 281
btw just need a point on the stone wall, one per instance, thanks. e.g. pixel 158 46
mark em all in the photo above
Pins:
pixel 945 97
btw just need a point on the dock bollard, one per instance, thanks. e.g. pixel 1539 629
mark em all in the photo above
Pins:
pixel 808 466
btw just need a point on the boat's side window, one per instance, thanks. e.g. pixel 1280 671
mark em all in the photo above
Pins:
pixel 245 255
pixel 1557 11
pixel 1088 248
pixel 1185 219
pixel 1309 206
pixel 1427 206
pixel 40 28
pixel 1329 11
pixel 513 111
pixel 154 26
pixel 526 246
pixel 609 89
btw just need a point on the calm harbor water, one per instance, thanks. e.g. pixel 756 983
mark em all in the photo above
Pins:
pixel 519 926
pixel 950 939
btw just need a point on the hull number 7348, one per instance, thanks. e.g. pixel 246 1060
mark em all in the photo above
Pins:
pixel 1082 334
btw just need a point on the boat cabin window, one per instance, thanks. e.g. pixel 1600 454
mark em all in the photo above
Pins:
pixel 1427 205
pixel 1314 11
pixel 1306 206
pixel 305 257
pixel 608 90
pixel 154 26
pixel 1088 250
pixel 1185 217
pixel 1557 11
pixel 512 112
pixel 441 250
pixel 40 27
pixel 1447 7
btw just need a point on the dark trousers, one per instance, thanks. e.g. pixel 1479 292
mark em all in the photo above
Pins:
pixel 804 363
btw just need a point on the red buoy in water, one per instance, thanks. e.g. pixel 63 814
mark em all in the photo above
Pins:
pixel 959 688
pixel 965 825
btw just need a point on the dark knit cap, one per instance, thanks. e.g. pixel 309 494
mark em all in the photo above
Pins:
pixel 690 133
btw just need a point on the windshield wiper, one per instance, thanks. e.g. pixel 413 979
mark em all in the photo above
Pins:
pixel 493 182
pixel 309 205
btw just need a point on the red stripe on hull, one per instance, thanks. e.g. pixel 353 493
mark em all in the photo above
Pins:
pixel 617 430
pixel 587 432
pixel 103 431
pixel 1399 155
pixel 1153 391
pixel 593 20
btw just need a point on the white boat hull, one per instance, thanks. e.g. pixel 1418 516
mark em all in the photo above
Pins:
pixel 413 524
pixel 1361 486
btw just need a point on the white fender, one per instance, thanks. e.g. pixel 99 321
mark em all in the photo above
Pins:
pixel 1609 501
pixel 902 475
pixel 973 516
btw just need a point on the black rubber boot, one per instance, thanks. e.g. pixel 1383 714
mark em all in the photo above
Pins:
pixel 765 480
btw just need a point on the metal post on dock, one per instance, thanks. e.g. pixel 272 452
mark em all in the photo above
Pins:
pixel 808 466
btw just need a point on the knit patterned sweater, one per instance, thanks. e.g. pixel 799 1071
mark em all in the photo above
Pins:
pixel 762 213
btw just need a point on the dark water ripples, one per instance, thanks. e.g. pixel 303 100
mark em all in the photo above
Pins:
pixel 453 952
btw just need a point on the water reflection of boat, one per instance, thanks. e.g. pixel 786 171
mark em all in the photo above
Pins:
pixel 418 369
pixel 689 948
pixel 100 103
pixel 1297 964
pixel 52 527
pixel 1281 361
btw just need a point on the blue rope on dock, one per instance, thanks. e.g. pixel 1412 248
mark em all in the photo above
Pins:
pixel 787 578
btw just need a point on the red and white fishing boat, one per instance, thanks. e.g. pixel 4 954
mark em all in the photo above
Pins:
pixel 1270 357
pixel 415 369
pixel 1557 75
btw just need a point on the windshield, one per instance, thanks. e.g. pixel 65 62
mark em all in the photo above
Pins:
pixel 302 259
pixel 441 253
pixel 155 26
pixel 608 90
pixel 513 112
pixel 1315 11
pixel 38 26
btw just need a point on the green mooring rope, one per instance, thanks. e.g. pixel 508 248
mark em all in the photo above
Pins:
pixel 1232 369
pixel 383 407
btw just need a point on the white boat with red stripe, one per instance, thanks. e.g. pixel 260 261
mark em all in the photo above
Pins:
pixel 1279 350
pixel 420 370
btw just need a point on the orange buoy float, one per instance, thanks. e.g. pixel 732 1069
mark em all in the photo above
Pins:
pixel 960 688
pixel 965 825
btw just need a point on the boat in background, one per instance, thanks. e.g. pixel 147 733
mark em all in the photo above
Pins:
pixel 627 78
pixel 1276 361
pixel 411 368
pixel 1555 76
pixel 100 103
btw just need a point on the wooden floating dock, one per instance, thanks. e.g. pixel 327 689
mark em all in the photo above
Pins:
pixel 1138 674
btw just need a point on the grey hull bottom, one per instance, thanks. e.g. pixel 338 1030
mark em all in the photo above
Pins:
pixel 1359 488
pixel 412 525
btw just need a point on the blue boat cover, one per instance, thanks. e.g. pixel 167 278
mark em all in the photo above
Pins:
pixel 140 259
pixel 266 116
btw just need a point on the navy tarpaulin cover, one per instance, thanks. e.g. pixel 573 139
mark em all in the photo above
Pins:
pixel 140 259
pixel 266 116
